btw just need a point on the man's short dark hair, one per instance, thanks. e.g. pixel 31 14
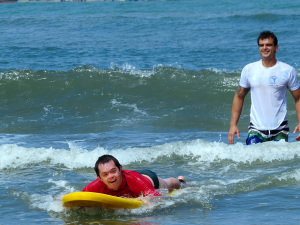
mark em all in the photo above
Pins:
pixel 105 159
pixel 267 34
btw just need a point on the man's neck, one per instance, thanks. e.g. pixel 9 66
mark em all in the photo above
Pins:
pixel 269 62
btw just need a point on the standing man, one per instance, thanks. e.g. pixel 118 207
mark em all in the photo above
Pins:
pixel 268 80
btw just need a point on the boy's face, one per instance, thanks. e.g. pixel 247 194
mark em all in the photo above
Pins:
pixel 110 175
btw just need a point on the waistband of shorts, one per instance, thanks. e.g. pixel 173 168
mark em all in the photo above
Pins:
pixel 283 127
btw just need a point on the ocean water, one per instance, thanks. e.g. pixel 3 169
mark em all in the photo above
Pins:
pixel 150 82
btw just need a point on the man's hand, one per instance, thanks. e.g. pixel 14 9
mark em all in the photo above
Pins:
pixel 235 130
pixel 297 128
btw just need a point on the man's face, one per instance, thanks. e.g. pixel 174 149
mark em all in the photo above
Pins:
pixel 110 175
pixel 267 49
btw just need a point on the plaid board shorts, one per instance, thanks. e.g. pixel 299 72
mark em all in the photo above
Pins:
pixel 258 136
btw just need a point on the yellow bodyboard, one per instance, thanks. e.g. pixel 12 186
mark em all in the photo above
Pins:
pixel 92 199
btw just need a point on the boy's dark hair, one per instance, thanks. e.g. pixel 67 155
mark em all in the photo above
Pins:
pixel 267 34
pixel 105 159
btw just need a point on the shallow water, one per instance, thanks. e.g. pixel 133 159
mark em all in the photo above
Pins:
pixel 152 84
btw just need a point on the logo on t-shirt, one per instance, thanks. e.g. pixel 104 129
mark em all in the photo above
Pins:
pixel 273 80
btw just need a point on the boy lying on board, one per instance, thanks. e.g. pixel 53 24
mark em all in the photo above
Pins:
pixel 113 180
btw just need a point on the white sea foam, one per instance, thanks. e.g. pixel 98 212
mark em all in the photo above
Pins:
pixel 44 202
pixel 294 174
pixel 200 151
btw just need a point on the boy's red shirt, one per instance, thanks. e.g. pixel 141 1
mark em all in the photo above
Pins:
pixel 133 185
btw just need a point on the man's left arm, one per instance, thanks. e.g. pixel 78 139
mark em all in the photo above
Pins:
pixel 296 95
pixel 140 185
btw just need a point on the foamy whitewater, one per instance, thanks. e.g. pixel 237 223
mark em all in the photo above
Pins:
pixel 152 83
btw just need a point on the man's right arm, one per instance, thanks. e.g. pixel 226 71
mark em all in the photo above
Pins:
pixel 236 111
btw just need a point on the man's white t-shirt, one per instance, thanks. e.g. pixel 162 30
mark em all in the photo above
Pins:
pixel 268 88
